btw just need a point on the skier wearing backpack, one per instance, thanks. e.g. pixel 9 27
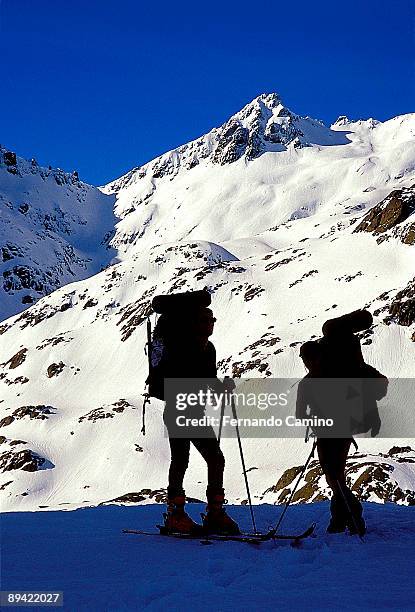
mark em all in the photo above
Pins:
pixel 338 355
pixel 332 452
pixel 181 338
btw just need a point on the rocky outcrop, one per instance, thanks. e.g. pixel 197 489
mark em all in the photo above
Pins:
pixel 6 484
pixel 53 341
pixel 242 367
pixel 90 303
pixel 40 411
pixel 37 313
pixel 16 360
pixel 23 277
pixel 135 314
pixel 379 478
pixel 18 380
pixel 402 307
pixel 9 158
pixel 6 421
pixel 25 460
pixel 22 166
pixel 232 143
pixel 391 214
pixel 106 412
pixel 262 122
pixel 54 369
pixel 158 496
pixel 9 251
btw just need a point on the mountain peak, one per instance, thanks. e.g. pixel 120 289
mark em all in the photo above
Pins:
pixel 267 105
pixel 270 100
pixel 343 120
pixel 263 125
pixel 20 166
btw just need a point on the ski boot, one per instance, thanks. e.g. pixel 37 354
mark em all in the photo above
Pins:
pixel 176 520
pixel 336 526
pixel 338 520
pixel 341 518
pixel 216 520
pixel 356 524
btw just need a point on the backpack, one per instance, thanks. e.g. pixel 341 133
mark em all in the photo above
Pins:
pixel 374 388
pixel 342 358
pixel 343 353
pixel 173 309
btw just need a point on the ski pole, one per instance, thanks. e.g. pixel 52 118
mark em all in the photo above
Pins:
pixel 295 488
pixel 243 463
pixel 222 413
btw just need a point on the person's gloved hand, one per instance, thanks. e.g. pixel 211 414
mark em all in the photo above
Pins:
pixel 229 384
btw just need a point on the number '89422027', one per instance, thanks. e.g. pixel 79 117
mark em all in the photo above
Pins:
pixel 27 598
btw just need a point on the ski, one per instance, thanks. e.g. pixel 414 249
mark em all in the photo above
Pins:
pixel 247 538
pixel 272 535
pixel 203 538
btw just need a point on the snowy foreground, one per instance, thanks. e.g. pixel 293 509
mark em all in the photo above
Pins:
pixel 84 554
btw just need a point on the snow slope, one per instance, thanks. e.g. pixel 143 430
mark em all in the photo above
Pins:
pixel 117 571
pixel 271 228
pixel 54 230
pixel 324 172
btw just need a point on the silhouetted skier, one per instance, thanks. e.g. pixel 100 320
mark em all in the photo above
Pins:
pixel 189 354
pixel 332 452
pixel 338 355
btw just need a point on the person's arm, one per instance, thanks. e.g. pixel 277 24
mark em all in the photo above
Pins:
pixel 215 383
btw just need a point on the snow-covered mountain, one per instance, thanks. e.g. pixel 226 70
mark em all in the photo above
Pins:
pixel 222 188
pixel 54 230
pixel 288 223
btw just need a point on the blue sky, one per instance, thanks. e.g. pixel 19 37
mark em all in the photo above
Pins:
pixel 103 86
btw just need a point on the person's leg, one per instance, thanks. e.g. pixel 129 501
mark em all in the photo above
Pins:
pixel 179 460
pixel 177 520
pixel 217 520
pixel 351 504
pixel 179 453
pixel 210 450
pixel 325 454
pixel 333 455
pixel 338 450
